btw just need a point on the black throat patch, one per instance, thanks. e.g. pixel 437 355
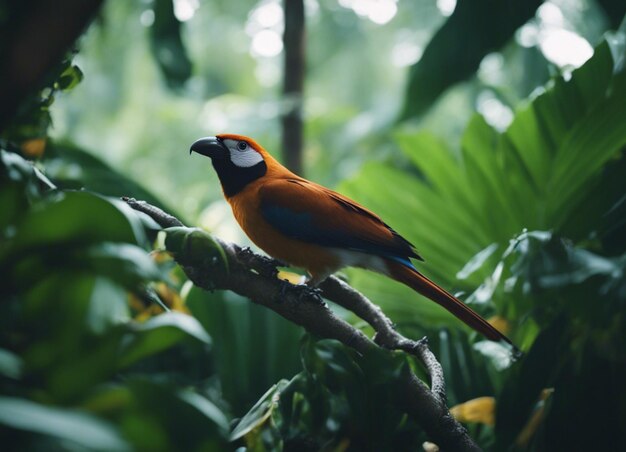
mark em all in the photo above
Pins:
pixel 234 178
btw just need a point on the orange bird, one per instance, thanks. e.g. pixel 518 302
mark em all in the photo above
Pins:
pixel 311 227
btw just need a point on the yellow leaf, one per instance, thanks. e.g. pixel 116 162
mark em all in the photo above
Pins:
pixel 171 298
pixel 135 303
pixel 535 420
pixel 500 323
pixel 343 445
pixel 33 148
pixel 160 256
pixel 481 410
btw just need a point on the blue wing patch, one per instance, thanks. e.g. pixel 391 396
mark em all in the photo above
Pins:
pixel 297 225
pixel 301 226
pixel 402 260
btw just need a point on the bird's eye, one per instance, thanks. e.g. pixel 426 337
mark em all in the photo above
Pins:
pixel 242 145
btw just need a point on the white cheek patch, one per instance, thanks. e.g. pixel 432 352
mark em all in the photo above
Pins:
pixel 245 159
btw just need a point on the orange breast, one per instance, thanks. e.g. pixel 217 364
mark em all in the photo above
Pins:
pixel 315 259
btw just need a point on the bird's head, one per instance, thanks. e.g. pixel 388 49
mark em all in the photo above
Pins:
pixel 238 160
pixel 240 151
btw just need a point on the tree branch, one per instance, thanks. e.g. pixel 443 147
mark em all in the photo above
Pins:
pixel 39 36
pixel 344 295
pixel 254 276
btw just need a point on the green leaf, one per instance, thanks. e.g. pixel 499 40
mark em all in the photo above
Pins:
pixel 77 218
pixel 331 362
pixel 206 407
pixel 253 346
pixel 602 130
pixel 538 174
pixel 260 412
pixel 476 28
pixel 73 168
pixel 477 261
pixel 341 397
pixel 182 421
pixel 167 45
pixel 183 322
pixel 122 262
pixel 14 167
pixel 69 78
pixel 108 306
pixel 77 427
pixel 21 183
pixel 160 333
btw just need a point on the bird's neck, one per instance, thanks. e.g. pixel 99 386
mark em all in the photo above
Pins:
pixel 234 178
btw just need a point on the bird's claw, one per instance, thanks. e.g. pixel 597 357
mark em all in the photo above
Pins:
pixel 302 291
pixel 264 265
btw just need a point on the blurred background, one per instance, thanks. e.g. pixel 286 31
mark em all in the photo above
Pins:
pixel 228 73
pixel 490 135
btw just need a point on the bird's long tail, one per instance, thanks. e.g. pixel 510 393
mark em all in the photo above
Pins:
pixel 426 287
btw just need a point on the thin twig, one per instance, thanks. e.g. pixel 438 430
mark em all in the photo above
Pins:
pixel 165 220
pixel 344 295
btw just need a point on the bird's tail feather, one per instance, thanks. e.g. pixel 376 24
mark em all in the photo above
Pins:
pixel 426 287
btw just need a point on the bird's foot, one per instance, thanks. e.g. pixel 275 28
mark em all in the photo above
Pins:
pixel 266 266
pixel 301 291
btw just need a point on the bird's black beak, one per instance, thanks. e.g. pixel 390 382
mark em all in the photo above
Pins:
pixel 212 147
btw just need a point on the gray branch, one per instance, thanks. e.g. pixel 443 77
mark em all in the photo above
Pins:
pixel 254 276
pixel 386 336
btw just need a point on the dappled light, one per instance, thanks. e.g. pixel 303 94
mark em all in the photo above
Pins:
pixel 378 11
pixel 496 113
pixel 446 7
pixel 406 52
pixel 266 43
pixel 265 26
pixel 184 10
pixel 553 34
pixel 565 48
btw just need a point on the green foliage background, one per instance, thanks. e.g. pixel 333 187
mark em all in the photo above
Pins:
pixel 104 345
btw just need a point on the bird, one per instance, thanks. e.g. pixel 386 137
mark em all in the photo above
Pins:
pixel 309 226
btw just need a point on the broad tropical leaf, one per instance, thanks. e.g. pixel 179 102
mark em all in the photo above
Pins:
pixel 535 175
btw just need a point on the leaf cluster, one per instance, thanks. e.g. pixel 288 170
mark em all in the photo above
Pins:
pixel 76 369
pixel 339 401
pixel 531 221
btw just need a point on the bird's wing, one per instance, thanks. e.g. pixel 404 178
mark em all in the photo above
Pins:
pixel 311 213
